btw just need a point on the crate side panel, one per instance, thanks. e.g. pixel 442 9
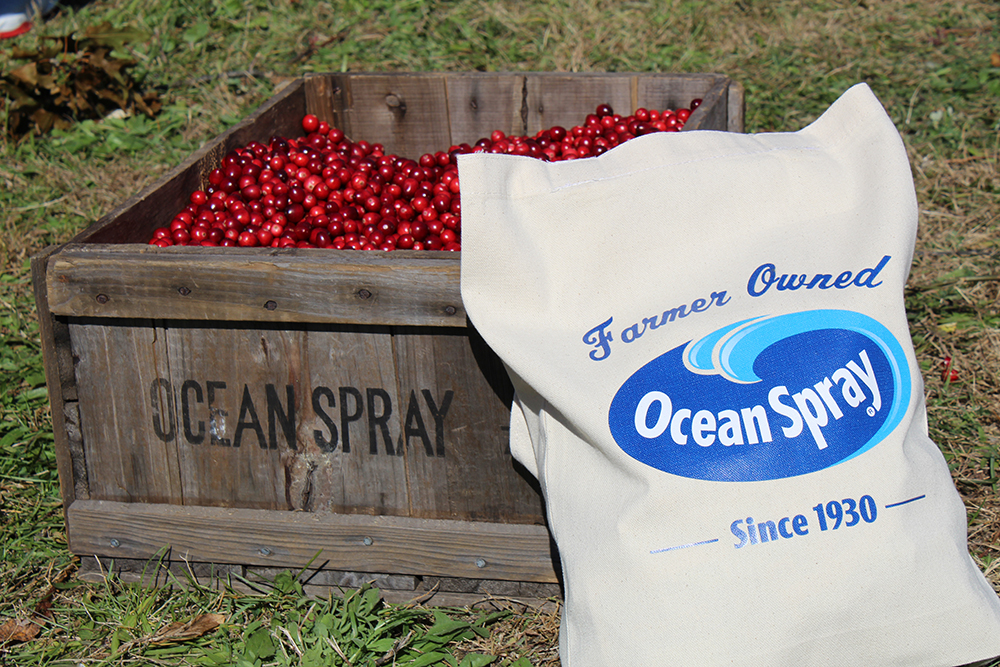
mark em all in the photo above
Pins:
pixel 351 461
pixel 713 112
pixel 265 414
pixel 125 416
pixel 480 104
pixel 675 91
pixel 406 113
pixel 323 98
pixel 566 99
pixel 456 428
pixel 232 410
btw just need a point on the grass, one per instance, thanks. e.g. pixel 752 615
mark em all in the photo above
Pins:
pixel 935 66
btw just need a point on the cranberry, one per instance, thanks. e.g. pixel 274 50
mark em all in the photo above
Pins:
pixel 320 237
pixel 310 123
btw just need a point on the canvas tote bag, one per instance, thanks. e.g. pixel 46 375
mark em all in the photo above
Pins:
pixel 716 389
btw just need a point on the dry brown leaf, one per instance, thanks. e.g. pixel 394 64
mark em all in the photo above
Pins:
pixel 196 627
pixel 26 73
pixel 995 60
pixel 23 630
pixel 18 630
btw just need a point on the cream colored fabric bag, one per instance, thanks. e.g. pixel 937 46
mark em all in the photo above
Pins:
pixel 717 391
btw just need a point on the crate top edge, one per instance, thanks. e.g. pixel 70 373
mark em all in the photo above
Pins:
pixel 500 73
pixel 281 255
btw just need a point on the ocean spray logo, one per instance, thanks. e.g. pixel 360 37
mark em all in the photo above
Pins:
pixel 765 398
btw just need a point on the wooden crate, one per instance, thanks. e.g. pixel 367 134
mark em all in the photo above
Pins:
pixel 260 407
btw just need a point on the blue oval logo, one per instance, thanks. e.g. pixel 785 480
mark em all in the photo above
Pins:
pixel 766 398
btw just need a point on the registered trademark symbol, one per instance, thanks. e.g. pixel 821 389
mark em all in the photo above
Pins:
pixel 871 411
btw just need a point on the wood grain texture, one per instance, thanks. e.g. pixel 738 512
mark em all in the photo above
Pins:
pixel 291 539
pixel 320 582
pixel 77 455
pixel 566 99
pixel 322 418
pixel 481 103
pixel 736 103
pixel 230 408
pixel 406 288
pixel 351 460
pixel 711 114
pixel 676 91
pixel 59 374
pixel 116 368
pixel 324 99
pixel 406 113
pixel 458 459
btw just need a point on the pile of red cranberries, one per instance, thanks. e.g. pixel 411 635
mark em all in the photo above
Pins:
pixel 323 190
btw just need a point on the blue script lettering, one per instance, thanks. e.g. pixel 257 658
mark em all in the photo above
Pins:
pixel 601 339
pixel 766 275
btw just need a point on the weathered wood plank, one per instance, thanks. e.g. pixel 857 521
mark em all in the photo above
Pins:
pixel 231 409
pixel 321 583
pixel 459 463
pixel 480 103
pixel 323 96
pixel 291 539
pixel 335 286
pixel 711 115
pixel 406 113
pixel 350 459
pixel 566 99
pixel 117 366
pixel 676 91
pixel 77 454
pixel 256 416
pixel 736 104
pixel 59 376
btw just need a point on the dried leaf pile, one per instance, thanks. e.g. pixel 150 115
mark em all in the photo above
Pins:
pixel 67 79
